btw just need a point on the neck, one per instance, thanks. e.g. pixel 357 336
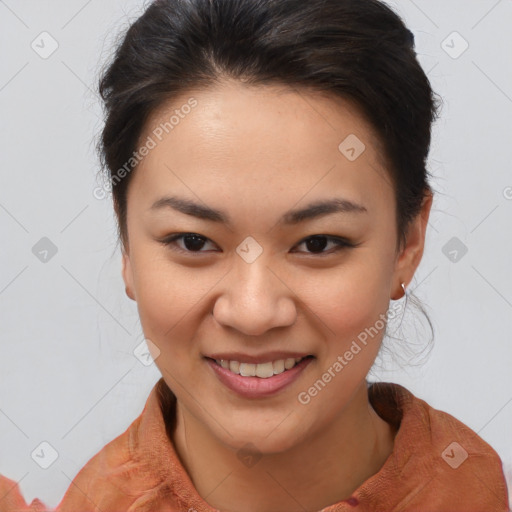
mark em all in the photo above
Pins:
pixel 324 469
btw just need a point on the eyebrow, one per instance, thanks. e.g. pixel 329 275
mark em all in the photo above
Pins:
pixel 311 211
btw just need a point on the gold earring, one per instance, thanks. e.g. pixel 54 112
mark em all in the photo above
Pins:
pixel 405 292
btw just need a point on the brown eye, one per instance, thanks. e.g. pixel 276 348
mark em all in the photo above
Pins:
pixel 317 243
pixel 191 242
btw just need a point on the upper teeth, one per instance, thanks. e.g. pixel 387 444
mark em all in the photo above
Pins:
pixel 263 370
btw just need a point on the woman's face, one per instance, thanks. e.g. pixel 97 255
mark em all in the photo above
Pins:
pixel 247 170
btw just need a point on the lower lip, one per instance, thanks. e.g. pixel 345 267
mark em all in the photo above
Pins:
pixel 256 387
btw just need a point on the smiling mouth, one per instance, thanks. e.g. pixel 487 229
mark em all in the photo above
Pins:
pixel 261 370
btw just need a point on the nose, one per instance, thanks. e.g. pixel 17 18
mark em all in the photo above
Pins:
pixel 255 298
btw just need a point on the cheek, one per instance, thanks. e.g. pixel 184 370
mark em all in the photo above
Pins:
pixel 166 295
pixel 350 299
pixel 172 301
pixel 353 305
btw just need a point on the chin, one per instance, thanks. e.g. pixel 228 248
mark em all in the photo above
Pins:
pixel 263 441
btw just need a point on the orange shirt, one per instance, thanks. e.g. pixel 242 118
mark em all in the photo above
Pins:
pixel 438 465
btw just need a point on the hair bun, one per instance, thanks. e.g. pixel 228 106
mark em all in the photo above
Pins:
pixel 409 38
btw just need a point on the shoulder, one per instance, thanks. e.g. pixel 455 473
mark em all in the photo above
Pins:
pixel 137 468
pixel 109 477
pixel 111 465
pixel 131 471
pixel 443 461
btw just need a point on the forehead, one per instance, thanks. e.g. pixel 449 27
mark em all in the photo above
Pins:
pixel 261 141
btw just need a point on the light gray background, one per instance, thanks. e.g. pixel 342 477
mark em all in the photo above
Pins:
pixel 68 375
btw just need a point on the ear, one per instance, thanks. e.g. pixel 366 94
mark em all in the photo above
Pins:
pixel 411 254
pixel 128 276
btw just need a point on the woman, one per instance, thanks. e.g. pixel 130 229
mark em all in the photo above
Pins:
pixel 268 167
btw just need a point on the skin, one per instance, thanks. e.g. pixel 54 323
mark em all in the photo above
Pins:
pixel 255 153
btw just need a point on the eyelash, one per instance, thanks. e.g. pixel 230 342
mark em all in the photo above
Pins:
pixel 170 243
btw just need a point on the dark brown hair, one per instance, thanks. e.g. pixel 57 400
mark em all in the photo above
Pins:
pixel 357 50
